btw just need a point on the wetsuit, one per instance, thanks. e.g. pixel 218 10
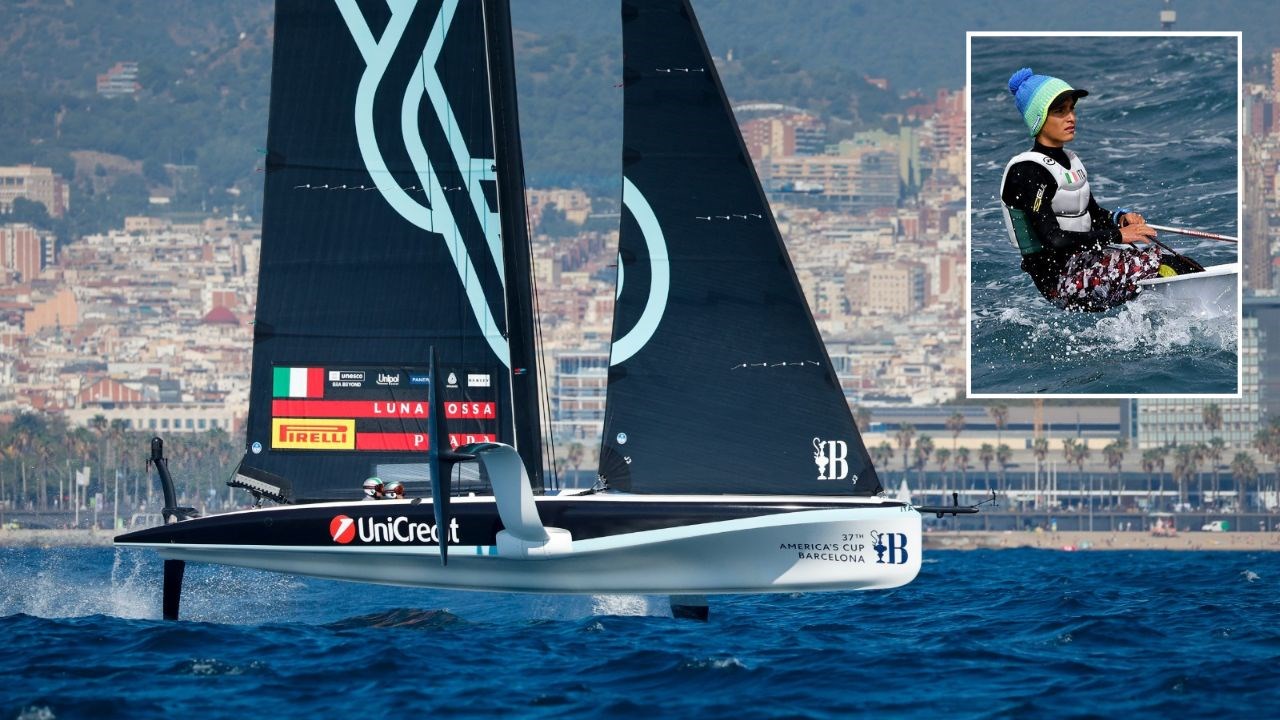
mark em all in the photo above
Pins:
pixel 1073 268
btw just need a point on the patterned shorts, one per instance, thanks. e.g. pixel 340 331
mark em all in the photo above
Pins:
pixel 1099 279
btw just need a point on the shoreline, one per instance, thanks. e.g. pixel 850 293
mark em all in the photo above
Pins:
pixel 1101 540
pixel 937 540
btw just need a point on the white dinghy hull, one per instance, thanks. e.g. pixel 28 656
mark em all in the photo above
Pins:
pixel 859 546
pixel 1211 293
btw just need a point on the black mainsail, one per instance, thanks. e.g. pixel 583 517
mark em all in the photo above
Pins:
pixel 719 379
pixel 388 194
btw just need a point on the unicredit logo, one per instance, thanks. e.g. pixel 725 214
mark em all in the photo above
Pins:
pixel 342 529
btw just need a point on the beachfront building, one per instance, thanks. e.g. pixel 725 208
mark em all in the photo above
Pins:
pixel 1161 422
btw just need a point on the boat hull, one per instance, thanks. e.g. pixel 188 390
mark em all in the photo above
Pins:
pixel 1211 293
pixel 673 547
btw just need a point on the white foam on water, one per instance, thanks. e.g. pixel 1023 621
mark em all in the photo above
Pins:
pixel 634 605
pixel 577 607
pixel 1150 325
pixel 58 591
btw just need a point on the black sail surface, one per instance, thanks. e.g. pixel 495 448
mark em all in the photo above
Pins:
pixel 719 379
pixel 380 241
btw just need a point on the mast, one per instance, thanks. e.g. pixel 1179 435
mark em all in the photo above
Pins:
pixel 509 161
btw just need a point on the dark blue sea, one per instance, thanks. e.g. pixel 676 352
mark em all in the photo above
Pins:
pixel 1158 134
pixel 1010 633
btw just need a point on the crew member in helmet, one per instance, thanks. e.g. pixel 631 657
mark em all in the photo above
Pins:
pixel 393 490
pixel 373 489
pixel 1051 215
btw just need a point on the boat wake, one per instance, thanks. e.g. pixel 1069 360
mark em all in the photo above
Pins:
pixel 1157 325
pixel 1045 350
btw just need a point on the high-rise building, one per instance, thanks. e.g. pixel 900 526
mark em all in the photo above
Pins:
pixel 788 135
pixel 1256 227
pixel 22 251
pixel 1275 75
pixel 578 393
pixel 1258 112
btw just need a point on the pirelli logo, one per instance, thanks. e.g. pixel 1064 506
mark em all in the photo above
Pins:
pixel 312 434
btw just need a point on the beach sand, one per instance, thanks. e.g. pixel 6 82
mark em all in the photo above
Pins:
pixel 1102 540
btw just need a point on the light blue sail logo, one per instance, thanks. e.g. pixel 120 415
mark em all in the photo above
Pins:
pixel 659 276
pixel 435 216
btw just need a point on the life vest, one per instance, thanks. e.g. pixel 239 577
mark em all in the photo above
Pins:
pixel 1070 203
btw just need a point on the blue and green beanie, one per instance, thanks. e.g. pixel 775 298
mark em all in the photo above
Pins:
pixel 1033 95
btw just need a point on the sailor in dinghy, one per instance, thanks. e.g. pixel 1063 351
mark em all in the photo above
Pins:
pixel 1071 247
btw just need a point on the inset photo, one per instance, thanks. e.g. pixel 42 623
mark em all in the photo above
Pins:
pixel 1104 206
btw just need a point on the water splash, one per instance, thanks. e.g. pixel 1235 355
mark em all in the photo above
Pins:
pixel 60 589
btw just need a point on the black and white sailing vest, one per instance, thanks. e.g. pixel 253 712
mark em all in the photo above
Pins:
pixel 1070 203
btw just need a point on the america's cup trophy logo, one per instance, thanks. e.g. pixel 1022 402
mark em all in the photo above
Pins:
pixel 831 457
pixel 878 545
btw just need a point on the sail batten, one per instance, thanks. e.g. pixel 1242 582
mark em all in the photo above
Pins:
pixel 719 379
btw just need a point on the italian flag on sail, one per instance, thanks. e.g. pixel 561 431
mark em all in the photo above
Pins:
pixel 297 382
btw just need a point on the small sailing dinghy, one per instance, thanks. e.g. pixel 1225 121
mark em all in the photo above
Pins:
pixel 1211 292
pixel 395 337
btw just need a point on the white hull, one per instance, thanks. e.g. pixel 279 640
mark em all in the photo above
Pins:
pixel 806 550
pixel 1213 292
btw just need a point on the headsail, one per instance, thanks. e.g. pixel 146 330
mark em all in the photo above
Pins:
pixel 720 382
pixel 382 238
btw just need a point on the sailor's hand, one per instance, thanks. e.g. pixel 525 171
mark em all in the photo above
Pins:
pixel 1132 218
pixel 1132 233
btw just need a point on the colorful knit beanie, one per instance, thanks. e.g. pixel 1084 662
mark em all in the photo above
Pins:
pixel 1033 95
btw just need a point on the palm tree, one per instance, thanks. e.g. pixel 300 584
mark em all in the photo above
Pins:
pixel 1185 460
pixel 1243 473
pixel 986 454
pixel 1211 415
pixel 1000 414
pixel 1040 448
pixel 1076 452
pixel 924 449
pixel 1149 467
pixel 1267 442
pixel 862 418
pixel 955 425
pixel 1114 453
pixel 906 431
pixel 1003 455
pixel 962 464
pixel 942 456
pixel 882 453
pixel 1158 455
pixel 1217 448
